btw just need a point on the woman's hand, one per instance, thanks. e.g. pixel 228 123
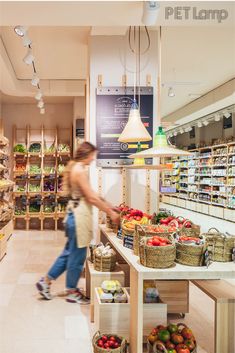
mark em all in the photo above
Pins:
pixel 115 217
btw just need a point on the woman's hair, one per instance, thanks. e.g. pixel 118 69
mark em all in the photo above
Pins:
pixel 84 150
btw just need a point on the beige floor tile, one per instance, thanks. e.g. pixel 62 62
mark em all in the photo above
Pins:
pixel 6 291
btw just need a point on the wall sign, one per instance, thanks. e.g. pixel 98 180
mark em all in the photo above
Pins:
pixel 112 110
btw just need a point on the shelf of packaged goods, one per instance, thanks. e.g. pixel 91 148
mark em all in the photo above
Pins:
pixel 30 175
pixel 219 176
pixel 231 153
pixel 195 192
pixel 230 185
pixel 231 164
pixel 219 155
pixel 205 166
pixel 203 201
pixel 219 165
pixel 184 190
pixel 192 199
pixel 218 193
pixel 231 175
pixel 217 184
pixel 205 183
pixel 205 175
pixel 204 192
pixel 183 174
pixel 183 167
pixel 205 157
pixel 217 204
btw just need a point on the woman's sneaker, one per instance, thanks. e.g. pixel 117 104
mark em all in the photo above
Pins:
pixel 44 289
pixel 76 296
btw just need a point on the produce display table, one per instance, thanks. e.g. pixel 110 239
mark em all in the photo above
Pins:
pixel 139 273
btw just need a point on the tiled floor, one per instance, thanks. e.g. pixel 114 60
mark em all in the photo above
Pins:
pixel 29 324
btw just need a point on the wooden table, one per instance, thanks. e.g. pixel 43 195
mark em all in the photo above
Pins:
pixel 139 273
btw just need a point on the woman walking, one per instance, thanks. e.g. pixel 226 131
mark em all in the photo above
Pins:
pixel 78 225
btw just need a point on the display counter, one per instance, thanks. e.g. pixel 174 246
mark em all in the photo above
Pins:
pixel 139 273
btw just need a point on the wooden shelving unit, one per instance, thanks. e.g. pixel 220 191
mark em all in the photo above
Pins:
pixel 6 189
pixel 204 181
pixel 38 200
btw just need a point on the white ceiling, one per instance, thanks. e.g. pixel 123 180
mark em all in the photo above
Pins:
pixel 60 33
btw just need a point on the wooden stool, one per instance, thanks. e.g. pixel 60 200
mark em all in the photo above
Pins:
pixel 223 295
pixel 95 278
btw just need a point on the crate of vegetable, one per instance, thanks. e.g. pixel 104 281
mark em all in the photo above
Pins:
pixel 150 231
pixel 34 169
pixel 157 252
pixel 35 147
pixel 175 338
pixel 63 148
pixel 108 342
pixel 190 250
pixel 20 148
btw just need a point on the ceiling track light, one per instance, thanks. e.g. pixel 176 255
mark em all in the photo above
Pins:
pixel 206 122
pixel 181 131
pixel 35 81
pixel 26 41
pixel 226 115
pixel 42 111
pixel 199 124
pixel 171 92
pixel 40 104
pixel 20 31
pixel 150 12
pixel 175 133
pixel 29 58
pixel 217 117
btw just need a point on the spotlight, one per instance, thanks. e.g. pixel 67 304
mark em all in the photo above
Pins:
pixel 38 95
pixel 40 104
pixel 35 81
pixel 29 58
pixel 217 117
pixel 206 122
pixel 150 12
pixel 171 93
pixel 42 111
pixel 190 128
pixel 26 41
pixel 199 124
pixel 175 133
pixel 226 115
pixel 181 131
pixel 20 30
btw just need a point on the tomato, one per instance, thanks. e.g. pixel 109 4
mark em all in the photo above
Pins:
pixel 187 333
pixel 172 328
pixel 188 224
pixel 182 348
pixel 164 335
pixel 100 343
pixel 138 218
pixel 154 331
pixel 112 338
pixel 115 345
pixel 176 338
pixel 169 345
pixel 190 344
pixel 106 345
pixel 156 242
pixel 150 242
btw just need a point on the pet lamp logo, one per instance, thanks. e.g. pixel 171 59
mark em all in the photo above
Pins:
pixel 188 13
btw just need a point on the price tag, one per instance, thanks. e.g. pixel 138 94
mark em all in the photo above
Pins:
pixel 119 234
pixel 207 258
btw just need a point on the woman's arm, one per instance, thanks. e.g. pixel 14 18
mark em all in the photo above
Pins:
pixel 80 178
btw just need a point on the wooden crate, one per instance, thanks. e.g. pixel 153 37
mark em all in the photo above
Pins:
pixel 115 317
pixel 95 278
pixel 3 247
pixel 175 294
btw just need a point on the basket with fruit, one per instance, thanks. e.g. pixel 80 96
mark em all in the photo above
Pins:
pixel 109 223
pixel 150 231
pixel 190 250
pixel 220 245
pixel 188 228
pixel 175 338
pixel 157 252
pixel 104 258
pixel 106 342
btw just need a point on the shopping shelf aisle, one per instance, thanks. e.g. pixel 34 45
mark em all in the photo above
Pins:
pixel 29 324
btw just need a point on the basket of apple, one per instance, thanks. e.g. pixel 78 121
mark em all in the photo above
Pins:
pixel 106 342
pixel 175 338
pixel 185 227
pixel 119 209
pixel 157 252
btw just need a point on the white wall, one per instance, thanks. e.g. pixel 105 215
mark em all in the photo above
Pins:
pixel 111 58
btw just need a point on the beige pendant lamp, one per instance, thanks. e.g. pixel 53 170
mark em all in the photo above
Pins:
pixel 135 131
pixel 161 146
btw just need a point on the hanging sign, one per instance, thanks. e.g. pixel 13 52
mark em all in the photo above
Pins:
pixel 112 110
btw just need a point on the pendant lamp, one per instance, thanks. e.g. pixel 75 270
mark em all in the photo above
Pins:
pixel 161 146
pixel 135 131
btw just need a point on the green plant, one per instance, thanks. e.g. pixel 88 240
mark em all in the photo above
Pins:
pixel 19 148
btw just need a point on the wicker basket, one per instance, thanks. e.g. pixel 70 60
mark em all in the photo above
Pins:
pixel 220 245
pixel 194 231
pixel 104 263
pixel 190 255
pixel 154 348
pixel 156 256
pixel 97 349
pixel 143 231
pixel 127 231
